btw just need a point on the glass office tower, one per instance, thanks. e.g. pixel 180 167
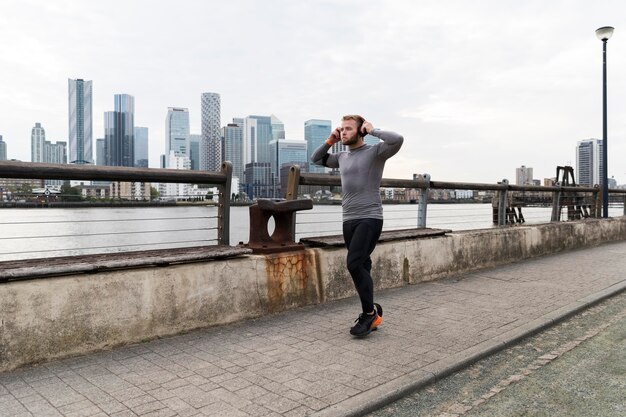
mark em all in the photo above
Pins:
pixel 80 121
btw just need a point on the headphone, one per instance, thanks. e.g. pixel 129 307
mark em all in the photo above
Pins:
pixel 360 130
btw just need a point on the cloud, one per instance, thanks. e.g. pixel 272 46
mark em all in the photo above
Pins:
pixel 477 88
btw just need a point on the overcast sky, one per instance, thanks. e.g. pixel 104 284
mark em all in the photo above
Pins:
pixel 477 88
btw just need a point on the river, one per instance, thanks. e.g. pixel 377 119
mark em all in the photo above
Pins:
pixel 51 232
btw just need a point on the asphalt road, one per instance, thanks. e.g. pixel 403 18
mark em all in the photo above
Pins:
pixel 576 368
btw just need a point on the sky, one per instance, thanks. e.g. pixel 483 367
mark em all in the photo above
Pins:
pixel 477 88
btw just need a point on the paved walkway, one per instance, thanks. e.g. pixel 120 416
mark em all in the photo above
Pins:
pixel 304 362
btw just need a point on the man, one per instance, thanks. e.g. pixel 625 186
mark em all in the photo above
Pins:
pixel 361 169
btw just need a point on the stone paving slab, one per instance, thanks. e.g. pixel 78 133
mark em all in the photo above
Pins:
pixel 304 362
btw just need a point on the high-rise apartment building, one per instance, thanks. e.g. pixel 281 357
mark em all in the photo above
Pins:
pixel 315 133
pixel 141 147
pixel 119 132
pixel 55 153
pixel 37 142
pixel 524 175
pixel 194 150
pixel 589 170
pixel 80 121
pixel 210 147
pixel 232 135
pixel 3 150
pixel 177 131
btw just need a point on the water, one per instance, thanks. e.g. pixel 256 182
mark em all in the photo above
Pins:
pixel 51 232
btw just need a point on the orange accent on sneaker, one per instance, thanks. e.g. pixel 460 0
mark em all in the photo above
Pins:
pixel 377 322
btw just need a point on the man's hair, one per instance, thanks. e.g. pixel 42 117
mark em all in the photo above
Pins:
pixel 358 119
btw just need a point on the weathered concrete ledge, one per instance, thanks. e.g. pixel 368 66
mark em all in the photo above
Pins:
pixel 54 317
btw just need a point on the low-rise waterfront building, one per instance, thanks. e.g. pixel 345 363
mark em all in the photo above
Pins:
pixel 130 190
pixel 95 190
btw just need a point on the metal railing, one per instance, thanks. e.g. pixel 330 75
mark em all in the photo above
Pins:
pixel 221 179
pixel 562 196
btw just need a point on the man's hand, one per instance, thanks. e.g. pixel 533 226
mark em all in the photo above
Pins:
pixel 335 136
pixel 367 127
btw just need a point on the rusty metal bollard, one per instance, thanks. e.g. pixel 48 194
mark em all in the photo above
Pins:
pixel 283 238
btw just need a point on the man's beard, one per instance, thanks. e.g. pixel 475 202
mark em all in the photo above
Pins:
pixel 350 141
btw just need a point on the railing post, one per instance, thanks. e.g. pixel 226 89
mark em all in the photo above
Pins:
pixel 423 202
pixel 223 212
pixel 293 182
pixel 556 205
pixel 598 202
pixel 502 203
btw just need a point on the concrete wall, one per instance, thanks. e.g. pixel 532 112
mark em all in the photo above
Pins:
pixel 54 317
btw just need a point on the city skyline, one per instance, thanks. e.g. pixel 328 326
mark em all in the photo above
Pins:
pixel 178 139
pixel 472 100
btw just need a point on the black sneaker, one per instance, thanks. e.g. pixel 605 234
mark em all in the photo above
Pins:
pixel 365 324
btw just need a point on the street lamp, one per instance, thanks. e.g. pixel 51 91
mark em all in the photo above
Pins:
pixel 604 33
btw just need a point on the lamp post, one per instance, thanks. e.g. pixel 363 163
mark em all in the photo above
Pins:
pixel 604 33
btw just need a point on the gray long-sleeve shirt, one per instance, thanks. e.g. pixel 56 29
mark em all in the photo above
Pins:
pixel 361 171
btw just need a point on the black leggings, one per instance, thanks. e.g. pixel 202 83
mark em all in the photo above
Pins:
pixel 361 236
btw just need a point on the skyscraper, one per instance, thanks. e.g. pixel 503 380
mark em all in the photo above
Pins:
pixel 3 150
pixel 289 152
pixel 141 147
pixel 194 151
pixel 177 131
pixel 257 135
pixel 315 133
pixel 119 132
pixel 210 147
pixel 278 134
pixel 80 121
pixel 233 147
pixel 589 170
pixel 37 142
pixel 100 152
pixel 258 179
pixel 293 152
pixel 278 128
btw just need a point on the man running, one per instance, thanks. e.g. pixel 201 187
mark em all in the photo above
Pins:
pixel 361 168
